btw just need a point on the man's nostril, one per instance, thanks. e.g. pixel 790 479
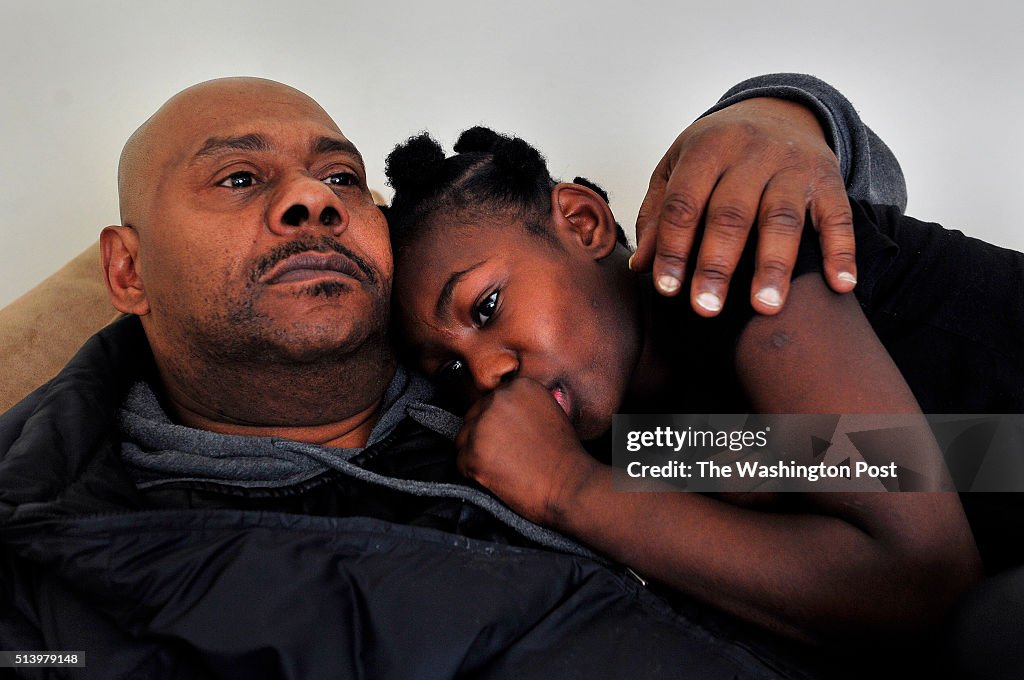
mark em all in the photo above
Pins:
pixel 329 217
pixel 295 216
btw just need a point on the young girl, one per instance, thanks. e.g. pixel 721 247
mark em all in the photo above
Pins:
pixel 513 291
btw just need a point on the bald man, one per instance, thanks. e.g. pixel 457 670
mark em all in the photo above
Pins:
pixel 249 236
pixel 238 480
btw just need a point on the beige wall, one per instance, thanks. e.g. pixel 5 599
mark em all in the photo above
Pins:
pixel 601 88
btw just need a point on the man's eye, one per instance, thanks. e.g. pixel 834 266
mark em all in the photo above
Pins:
pixel 239 180
pixel 485 310
pixel 341 179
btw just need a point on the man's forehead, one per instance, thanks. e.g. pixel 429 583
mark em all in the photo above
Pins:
pixel 243 108
pixel 262 129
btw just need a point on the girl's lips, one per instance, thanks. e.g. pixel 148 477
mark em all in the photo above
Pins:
pixel 562 397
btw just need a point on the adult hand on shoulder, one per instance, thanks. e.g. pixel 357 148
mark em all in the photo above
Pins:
pixel 760 159
pixel 517 442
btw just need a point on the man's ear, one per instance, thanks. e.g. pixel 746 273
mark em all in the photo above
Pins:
pixel 582 216
pixel 119 250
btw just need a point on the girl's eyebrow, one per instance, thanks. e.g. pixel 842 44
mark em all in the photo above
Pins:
pixel 444 298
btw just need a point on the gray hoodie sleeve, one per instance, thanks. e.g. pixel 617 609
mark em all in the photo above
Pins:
pixel 870 169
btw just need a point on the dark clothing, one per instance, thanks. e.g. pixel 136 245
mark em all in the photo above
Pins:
pixel 950 311
pixel 399 573
pixel 949 308
pixel 987 629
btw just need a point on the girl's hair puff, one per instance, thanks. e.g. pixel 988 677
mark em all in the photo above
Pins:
pixel 491 175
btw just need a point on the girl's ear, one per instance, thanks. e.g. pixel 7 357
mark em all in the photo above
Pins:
pixel 581 217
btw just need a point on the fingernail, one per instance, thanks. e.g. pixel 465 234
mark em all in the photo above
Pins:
pixel 769 296
pixel 847 277
pixel 668 283
pixel 631 261
pixel 709 301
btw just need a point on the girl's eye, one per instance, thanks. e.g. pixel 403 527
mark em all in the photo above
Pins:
pixel 341 179
pixel 450 372
pixel 238 180
pixel 485 310
pixel 453 383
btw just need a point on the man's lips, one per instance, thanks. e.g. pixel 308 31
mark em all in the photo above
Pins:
pixel 312 265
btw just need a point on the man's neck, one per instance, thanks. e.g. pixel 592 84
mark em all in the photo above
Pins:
pixel 332 404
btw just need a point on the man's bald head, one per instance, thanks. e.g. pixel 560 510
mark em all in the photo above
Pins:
pixel 253 253
pixel 159 141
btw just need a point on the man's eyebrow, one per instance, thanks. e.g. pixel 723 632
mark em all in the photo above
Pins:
pixel 250 142
pixel 444 299
pixel 323 145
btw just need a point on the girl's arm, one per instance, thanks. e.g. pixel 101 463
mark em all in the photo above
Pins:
pixel 838 563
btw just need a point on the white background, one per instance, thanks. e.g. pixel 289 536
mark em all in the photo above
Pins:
pixel 601 88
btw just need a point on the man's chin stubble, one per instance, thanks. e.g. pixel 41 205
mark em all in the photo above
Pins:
pixel 325 289
pixel 244 335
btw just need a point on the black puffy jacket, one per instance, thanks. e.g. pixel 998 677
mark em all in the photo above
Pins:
pixel 335 578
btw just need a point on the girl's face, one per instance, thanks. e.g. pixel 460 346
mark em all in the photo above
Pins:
pixel 481 304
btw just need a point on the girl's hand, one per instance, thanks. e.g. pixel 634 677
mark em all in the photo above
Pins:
pixel 518 443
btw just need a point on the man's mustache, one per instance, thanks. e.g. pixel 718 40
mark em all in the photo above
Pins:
pixel 322 244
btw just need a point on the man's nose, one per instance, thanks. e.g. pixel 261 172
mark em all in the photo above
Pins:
pixel 493 368
pixel 306 202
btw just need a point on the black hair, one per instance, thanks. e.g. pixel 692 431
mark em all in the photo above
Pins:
pixel 490 175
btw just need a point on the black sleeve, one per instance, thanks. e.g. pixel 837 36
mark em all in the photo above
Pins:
pixel 876 250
